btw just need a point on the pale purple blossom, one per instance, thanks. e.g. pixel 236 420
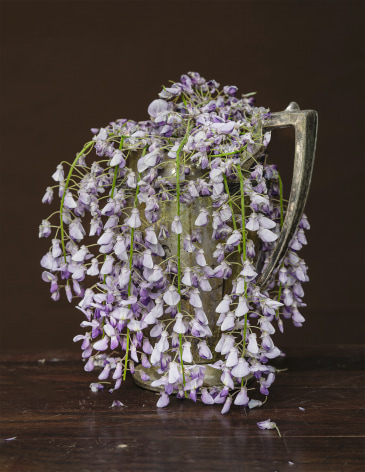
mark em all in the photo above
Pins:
pixel 265 222
pixel 174 373
pixel 188 245
pixel 223 306
pixel 69 201
pixel 157 106
pixel 186 355
pixel 242 398
pixel 171 297
pixel 298 290
pixel 204 351
pixel 229 322
pixel 266 235
pixel 200 258
pixel 252 346
pixel 163 401
pixel 266 326
pixel 179 326
pixel 235 238
pixel 156 275
pixel 48 196
pixel 59 176
pixel 96 387
pixel 204 283
pixel 134 220
pixel 102 345
pixel 283 275
pixel 269 306
pixel 248 270
pixel 107 266
pixel 56 248
pixel 268 424
pixel 226 378
pixel 232 358
pixel 45 229
pixel 254 403
pixel 265 384
pixel 176 225
pixel 242 307
pixel 225 213
pixel 202 219
pixel 76 230
pixel 150 235
pixel 241 368
pixel 117 403
pixel 227 405
pixel 49 277
pixel 206 397
pixel 147 259
pixel 118 159
pixel 187 279
pixel 49 262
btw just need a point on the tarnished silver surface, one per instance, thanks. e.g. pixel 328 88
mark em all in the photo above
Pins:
pixel 211 378
pixel 188 215
pixel 305 125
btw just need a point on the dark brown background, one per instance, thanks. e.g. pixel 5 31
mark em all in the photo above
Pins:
pixel 70 66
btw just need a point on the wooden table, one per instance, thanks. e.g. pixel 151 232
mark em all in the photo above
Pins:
pixel 60 425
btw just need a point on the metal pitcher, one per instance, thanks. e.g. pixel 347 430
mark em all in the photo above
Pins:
pixel 305 125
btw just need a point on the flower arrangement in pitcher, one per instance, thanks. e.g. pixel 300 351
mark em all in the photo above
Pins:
pixel 139 206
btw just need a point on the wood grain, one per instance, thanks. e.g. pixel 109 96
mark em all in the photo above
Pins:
pixel 61 425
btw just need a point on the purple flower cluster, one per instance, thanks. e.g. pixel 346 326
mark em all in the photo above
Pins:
pixel 108 252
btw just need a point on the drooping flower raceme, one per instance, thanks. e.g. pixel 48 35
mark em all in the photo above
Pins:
pixel 124 263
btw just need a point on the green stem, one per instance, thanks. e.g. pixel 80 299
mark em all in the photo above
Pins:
pixel 179 239
pixel 130 276
pixel 243 251
pixel 231 206
pixel 86 148
pixel 243 214
pixel 116 169
pixel 229 153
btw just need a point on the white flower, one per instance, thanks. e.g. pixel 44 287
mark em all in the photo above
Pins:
pixel 179 326
pixel 202 219
pixel 171 297
pixel 242 307
pixel 163 343
pixel 232 358
pixel 229 322
pixel 174 374
pixel 58 176
pixel 176 226
pixel 134 220
pixel 266 235
pixel 118 157
pixel 241 369
pixel 252 346
pixel 186 355
pixel 223 306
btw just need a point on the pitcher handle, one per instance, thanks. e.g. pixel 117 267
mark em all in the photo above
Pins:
pixel 305 125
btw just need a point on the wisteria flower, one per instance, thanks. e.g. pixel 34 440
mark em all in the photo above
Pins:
pixel 59 175
pixel 268 424
pixel 202 219
pixel 266 235
pixel 179 326
pixel 176 226
pixel 134 220
pixel 171 297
